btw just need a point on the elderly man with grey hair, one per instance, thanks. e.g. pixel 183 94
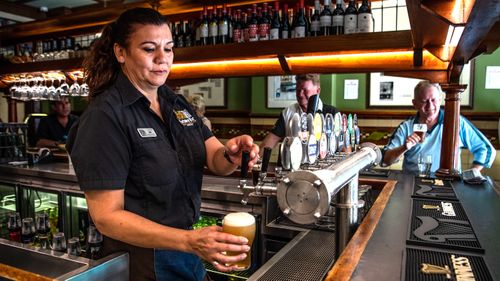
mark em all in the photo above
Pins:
pixel 404 141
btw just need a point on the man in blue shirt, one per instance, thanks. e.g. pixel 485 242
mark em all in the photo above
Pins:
pixel 427 100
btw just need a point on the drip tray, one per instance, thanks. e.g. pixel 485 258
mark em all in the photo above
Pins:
pixel 443 224
pixel 443 266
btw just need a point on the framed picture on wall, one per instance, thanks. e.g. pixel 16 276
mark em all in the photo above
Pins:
pixel 213 92
pixel 280 91
pixel 386 91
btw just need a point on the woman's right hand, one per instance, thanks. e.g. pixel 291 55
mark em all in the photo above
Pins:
pixel 209 243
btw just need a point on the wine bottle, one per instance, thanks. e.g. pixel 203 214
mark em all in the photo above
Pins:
pixel 301 22
pixel 315 19
pixel 264 24
pixel 204 27
pixel 179 36
pixel 188 39
pixel 197 30
pixel 230 19
pixel 338 19
pixel 350 18
pixel 365 18
pixel 326 19
pixel 275 28
pixel 213 28
pixel 223 26
pixel 238 28
pixel 246 28
pixel 253 23
pixel 285 24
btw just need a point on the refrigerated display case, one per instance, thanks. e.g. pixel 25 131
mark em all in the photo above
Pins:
pixel 8 204
pixel 37 200
pixel 77 217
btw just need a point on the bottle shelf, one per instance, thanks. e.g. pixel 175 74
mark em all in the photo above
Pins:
pixel 362 52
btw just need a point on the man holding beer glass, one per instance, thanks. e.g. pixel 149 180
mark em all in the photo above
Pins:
pixel 422 134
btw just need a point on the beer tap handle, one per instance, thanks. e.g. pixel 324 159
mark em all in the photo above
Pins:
pixel 245 158
pixel 265 159
pixel 312 104
pixel 255 175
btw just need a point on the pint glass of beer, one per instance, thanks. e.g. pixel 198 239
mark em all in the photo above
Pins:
pixel 240 224
pixel 420 130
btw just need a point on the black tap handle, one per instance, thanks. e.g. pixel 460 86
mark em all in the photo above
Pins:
pixel 312 104
pixel 265 159
pixel 245 158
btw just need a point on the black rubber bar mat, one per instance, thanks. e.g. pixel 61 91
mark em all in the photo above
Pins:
pixel 434 189
pixel 432 181
pixel 426 265
pixel 442 224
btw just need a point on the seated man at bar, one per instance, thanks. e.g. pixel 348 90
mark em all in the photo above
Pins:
pixel 405 141
pixel 54 129
pixel 307 85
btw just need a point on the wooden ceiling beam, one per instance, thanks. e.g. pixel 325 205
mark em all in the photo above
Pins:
pixel 21 10
pixel 454 12
pixel 437 76
pixel 69 24
pixel 483 19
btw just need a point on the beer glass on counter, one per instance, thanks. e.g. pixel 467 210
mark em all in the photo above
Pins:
pixel 240 224
pixel 420 130
pixel 424 165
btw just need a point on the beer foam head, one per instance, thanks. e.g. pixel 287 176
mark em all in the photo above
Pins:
pixel 239 219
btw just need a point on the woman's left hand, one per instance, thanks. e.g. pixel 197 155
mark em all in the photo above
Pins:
pixel 235 147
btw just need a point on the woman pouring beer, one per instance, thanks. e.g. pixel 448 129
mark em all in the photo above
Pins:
pixel 139 151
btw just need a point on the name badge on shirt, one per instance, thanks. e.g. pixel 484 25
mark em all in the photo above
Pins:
pixel 146 132
pixel 184 117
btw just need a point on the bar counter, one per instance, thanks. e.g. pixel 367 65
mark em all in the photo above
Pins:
pixel 381 259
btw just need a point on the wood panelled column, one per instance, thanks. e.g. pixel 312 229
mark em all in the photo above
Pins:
pixel 449 143
pixel 12 107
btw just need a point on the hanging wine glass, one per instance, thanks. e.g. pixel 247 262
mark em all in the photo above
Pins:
pixel 84 89
pixel 63 89
pixel 35 89
pixel 44 92
pixel 52 93
pixel 24 89
pixel 13 89
pixel 74 90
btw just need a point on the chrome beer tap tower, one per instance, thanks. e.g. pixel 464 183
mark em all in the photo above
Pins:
pixel 306 194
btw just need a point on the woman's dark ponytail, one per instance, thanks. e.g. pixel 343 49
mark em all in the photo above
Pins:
pixel 100 66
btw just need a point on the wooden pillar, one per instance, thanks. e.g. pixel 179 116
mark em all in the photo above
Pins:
pixel 12 106
pixel 450 141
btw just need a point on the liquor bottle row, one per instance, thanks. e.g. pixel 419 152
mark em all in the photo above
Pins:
pixel 13 142
pixel 43 233
pixel 221 26
pixel 50 49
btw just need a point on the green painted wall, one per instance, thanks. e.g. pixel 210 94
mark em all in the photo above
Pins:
pixel 486 99
pixel 357 104
pixel 239 95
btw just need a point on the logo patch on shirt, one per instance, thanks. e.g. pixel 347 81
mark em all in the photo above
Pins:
pixel 184 117
pixel 146 132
